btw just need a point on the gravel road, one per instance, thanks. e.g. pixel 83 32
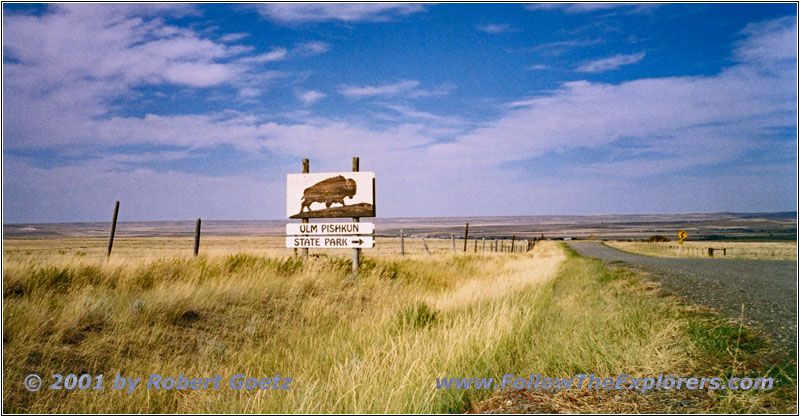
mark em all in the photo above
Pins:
pixel 768 289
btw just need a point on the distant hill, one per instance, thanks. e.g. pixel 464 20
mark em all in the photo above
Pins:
pixel 699 226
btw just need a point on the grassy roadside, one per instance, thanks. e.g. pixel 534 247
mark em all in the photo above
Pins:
pixel 773 251
pixel 369 345
pixel 624 324
pixel 372 345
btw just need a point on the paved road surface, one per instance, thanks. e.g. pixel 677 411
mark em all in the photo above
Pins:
pixel 768 289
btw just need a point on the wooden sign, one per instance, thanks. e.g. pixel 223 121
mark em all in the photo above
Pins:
pixel 330 228
pixel 333 194
pixel 332 242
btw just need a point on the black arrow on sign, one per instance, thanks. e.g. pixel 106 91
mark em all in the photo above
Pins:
pixel 359 241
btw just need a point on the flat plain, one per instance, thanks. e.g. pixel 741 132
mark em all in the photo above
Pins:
pixel 372 343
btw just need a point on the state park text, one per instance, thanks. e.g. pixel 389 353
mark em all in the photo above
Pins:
pixel 330 242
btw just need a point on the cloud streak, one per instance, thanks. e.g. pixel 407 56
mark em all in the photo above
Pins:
pixel 611 63
pixel 577 8
pixel 402 88
pixel 350 13
pixel 495 28
pixel 310 97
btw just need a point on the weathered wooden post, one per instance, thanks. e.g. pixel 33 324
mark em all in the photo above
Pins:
pixel 426 246
pixel 113 230
pixel 197 237
pixel 402 244
pixel 466 236
pixel 453 241
pixel 483 244
pixel 711 252
pixel 475 250
pixel 304 251
pixel 356 251
pixel 512 243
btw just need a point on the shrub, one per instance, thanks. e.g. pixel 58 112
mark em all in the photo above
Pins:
pixel 657 238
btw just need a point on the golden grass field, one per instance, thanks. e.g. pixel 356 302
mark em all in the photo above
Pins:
pixel 776 251
pixel 371 344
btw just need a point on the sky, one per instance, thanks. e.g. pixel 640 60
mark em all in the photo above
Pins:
pixel 182 111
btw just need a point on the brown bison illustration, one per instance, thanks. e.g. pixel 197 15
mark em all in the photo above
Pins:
pixel 328 191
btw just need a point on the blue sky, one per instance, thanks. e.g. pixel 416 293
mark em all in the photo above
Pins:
pixel 200 110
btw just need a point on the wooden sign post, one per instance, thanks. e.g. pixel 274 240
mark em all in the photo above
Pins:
pixel 357 251
pixel 304 251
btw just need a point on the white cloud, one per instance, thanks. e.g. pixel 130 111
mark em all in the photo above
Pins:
pixel 769 41
pixel 404 88
pixel 312 48
pixel 249 92
pixel 676 117
pixel 65 69
pixel 348 12
pixel 276 54
pixel 394 89
pixel 495 28
pixel 611 63
pixel 593 7
pixel 233 37
pixel 310 97
pixel 537 67
pixel 199 75
pixel 305 49
pixel 559 47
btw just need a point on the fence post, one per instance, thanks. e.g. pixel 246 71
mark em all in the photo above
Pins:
pixel 466 236
pixel 402 244
pixel 711 252
pixel 475 250
pixel 113 230
pixel 357 251
pixel 512 243
pixel 453 241
pixel 426 246
pixel 304 251
pixel 197 237
pixel 483 244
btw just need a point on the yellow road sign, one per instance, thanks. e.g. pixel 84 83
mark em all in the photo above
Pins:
pixel 682 235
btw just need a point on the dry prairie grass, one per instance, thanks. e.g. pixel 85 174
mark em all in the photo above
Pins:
pixel 369 345
pixel 776 251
